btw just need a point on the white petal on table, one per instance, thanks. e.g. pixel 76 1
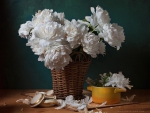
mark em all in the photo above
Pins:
pixel 62 106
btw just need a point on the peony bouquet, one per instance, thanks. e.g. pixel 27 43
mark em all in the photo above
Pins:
pixel 51 36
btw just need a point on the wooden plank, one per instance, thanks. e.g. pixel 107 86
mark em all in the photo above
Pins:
pixel 9 98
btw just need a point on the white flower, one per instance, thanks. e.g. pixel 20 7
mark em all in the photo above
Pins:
pixel 43 16
pixel 37 48
pixel 72 34
pixel 82 29
pixel 57 57
pixel 97 19
pixel 59 18
pixel 80 105
pixel 48 31
pixel 40 46
pixel 54 38
pixel 25 29
pixel 119 81
pixel 102 16
pixel 75 32
pixel 92 45
pixel 49 43
pixel 113 35
pixel 47 15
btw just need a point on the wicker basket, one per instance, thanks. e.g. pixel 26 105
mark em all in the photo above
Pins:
pixel 70 81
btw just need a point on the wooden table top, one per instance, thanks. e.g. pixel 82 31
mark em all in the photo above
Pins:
pixel 8 103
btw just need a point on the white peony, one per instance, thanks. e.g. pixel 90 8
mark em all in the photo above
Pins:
pixel 36 46
pixel 97 19
pixel 40 46
pixel 92 45
pixel 59 17
pixel 75 31
pixel 118 80
pixel 82 29
pixel 45 36
pixel 25 29
pixel 47 15
pixel 54 38
pixel 43 16
pixel 72 35
pixel 48 31
pixel 101 15
pixel 113 35
pixel 58 57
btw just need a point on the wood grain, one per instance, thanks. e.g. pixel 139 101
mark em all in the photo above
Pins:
pixel 8 103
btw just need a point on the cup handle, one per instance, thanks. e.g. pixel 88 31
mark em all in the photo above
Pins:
pixel 118 90
pixel 89 88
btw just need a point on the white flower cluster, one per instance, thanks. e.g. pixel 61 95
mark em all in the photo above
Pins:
pixel 50 100
pixel 80 105
pixel 111 80
pixel 119 81
pixel 75 103
pixel 99 22
pixel 54 38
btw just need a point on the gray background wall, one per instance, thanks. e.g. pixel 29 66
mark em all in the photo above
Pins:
pixel 20 68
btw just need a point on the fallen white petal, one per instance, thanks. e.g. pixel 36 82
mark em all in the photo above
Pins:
pixel 75 104
pixel 84 111
pixel 62 106
pixel 104 103
pixel 132 97
pixel 24 101
pixel 60 101
pixel 82 107
pixel 91 111
pixel 19 100
pixel 90 101
pixel 86 99
pixel 99 111
pixel 128 99
pixel 50 92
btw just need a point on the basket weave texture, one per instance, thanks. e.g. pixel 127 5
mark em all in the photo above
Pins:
pixel 70 81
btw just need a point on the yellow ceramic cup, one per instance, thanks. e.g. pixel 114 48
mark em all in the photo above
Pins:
pixel 102 94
